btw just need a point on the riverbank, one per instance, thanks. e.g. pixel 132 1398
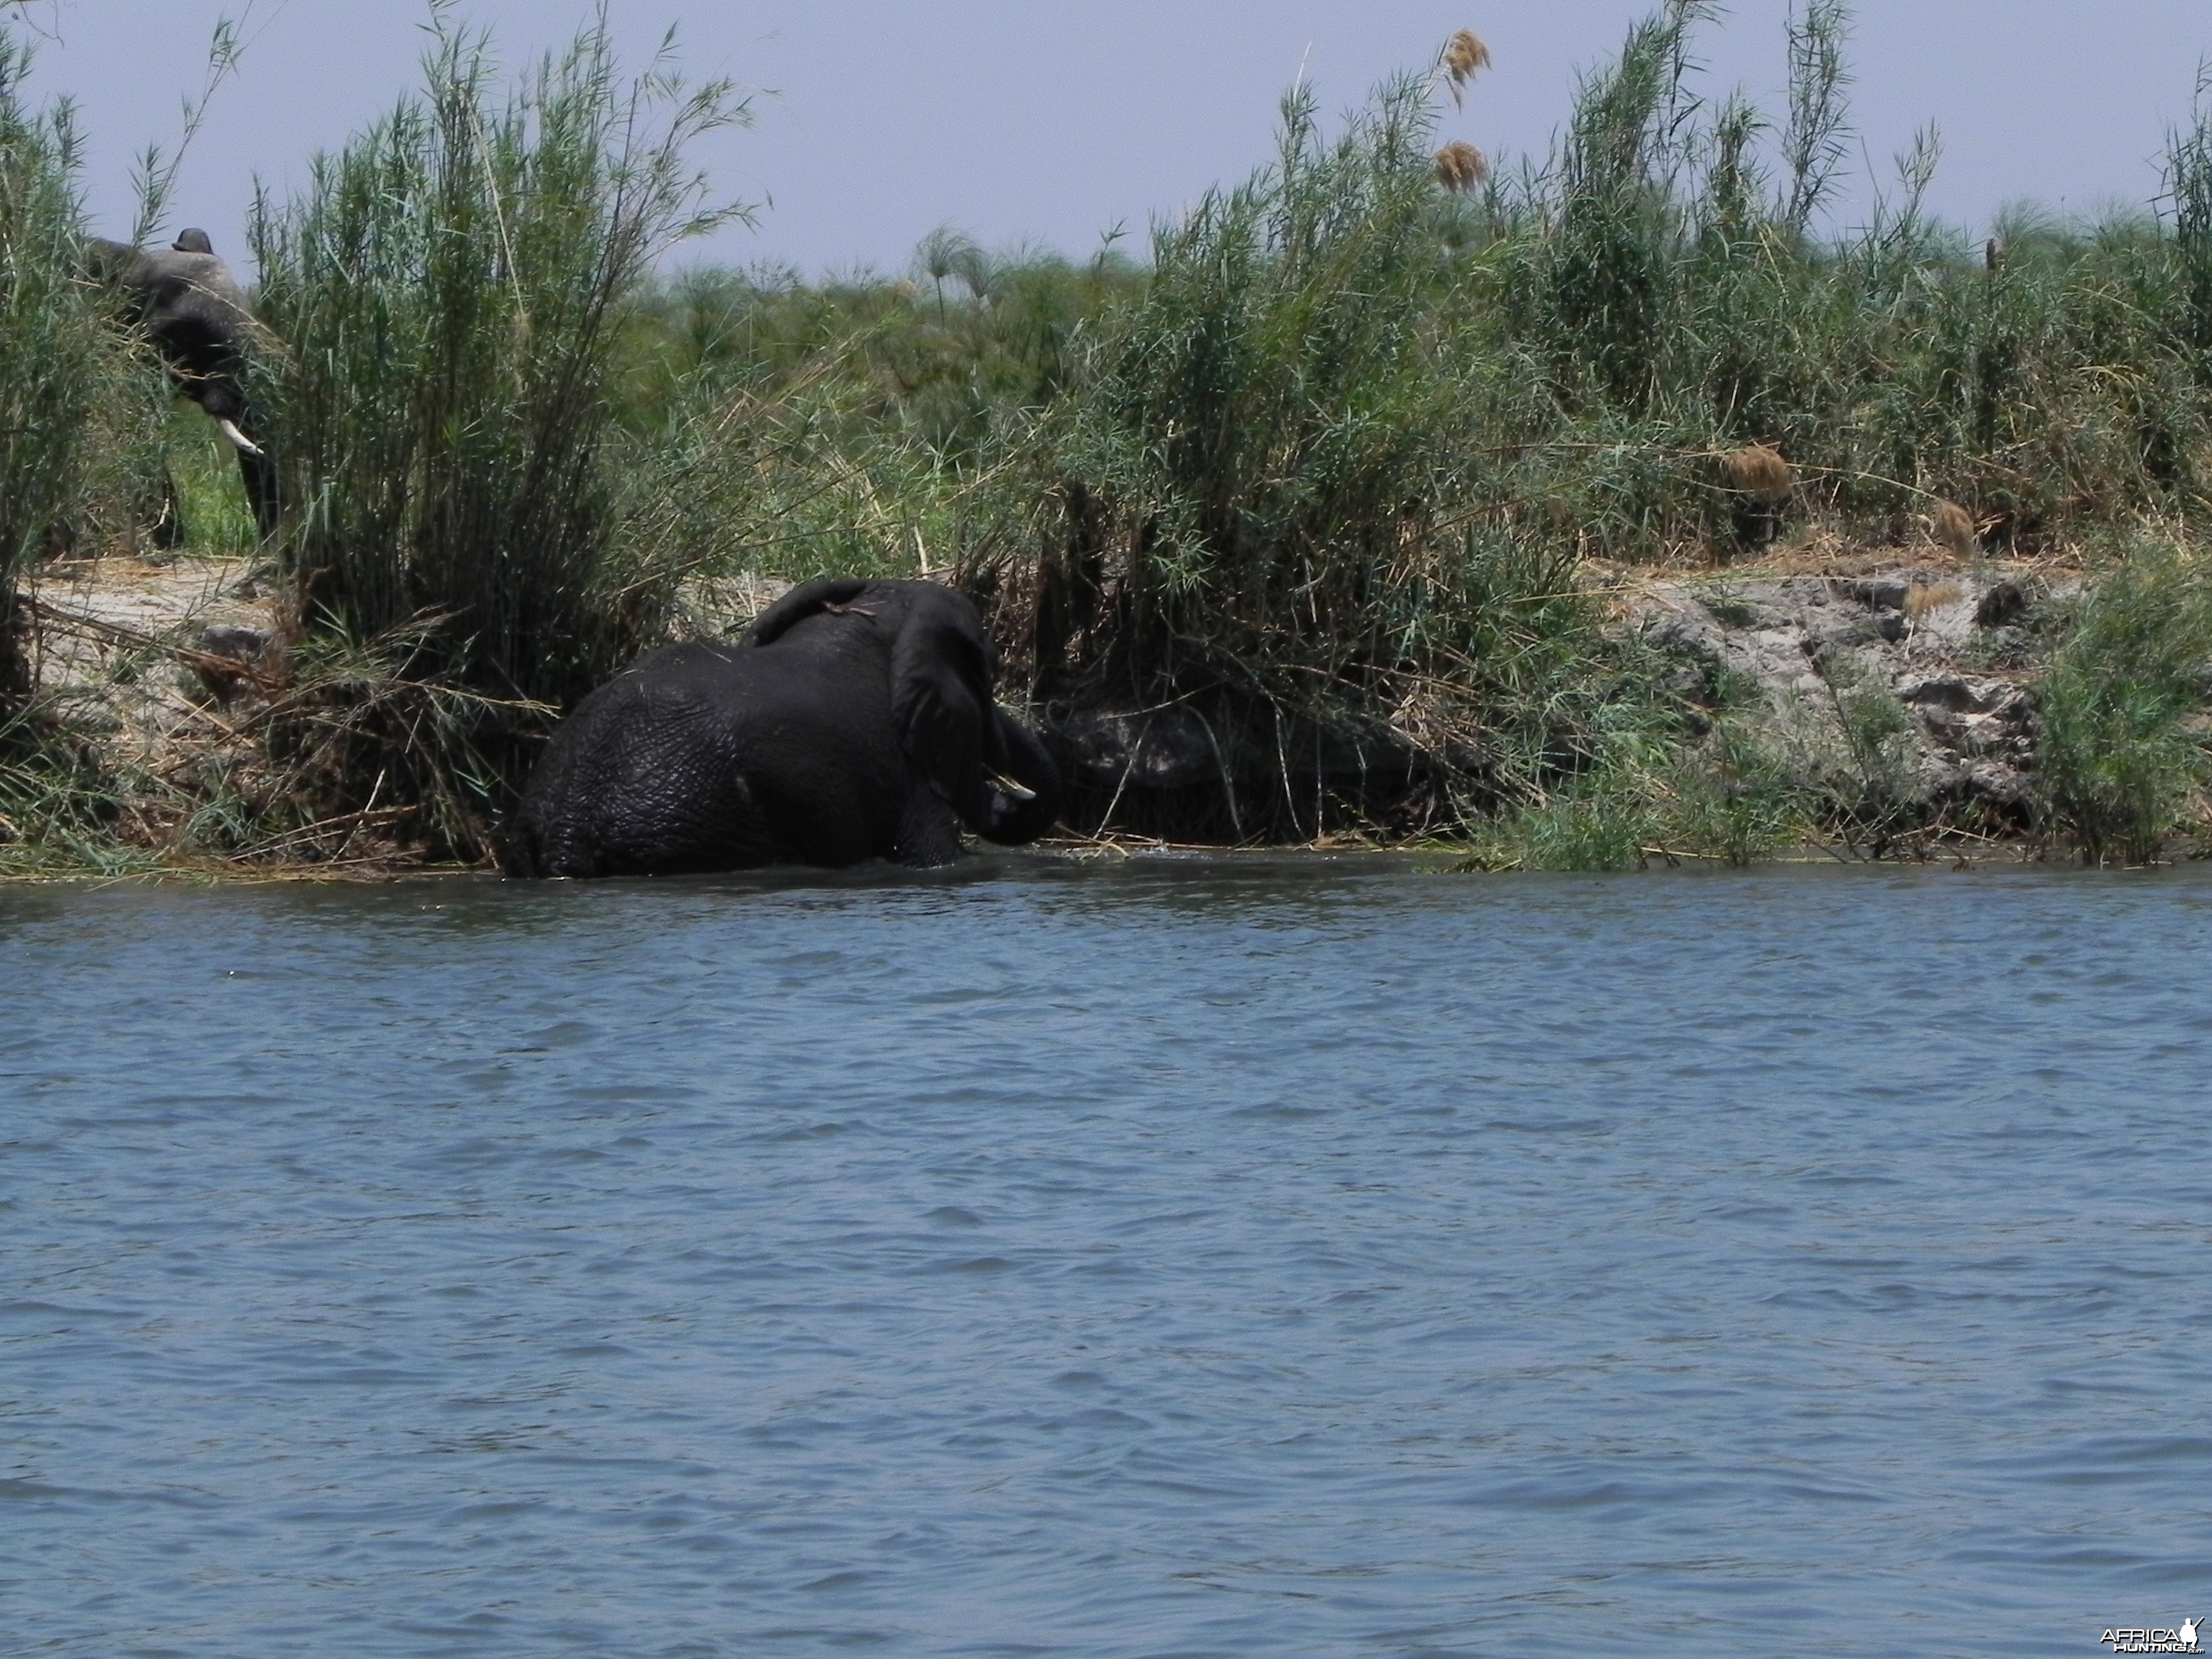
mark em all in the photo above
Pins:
pixel 1915 680
pixel 1870 702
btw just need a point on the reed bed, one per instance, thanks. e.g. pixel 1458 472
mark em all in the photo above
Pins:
pixel 1331 479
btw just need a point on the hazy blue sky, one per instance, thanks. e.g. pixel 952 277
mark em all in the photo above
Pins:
pixel 1052 120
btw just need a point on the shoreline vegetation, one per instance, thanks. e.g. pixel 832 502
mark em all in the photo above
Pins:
pixel 1600 511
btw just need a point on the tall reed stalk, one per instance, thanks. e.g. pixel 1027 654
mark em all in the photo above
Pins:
pixel 1271 426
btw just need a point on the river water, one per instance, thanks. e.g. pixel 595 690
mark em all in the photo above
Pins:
pixel 1174 1257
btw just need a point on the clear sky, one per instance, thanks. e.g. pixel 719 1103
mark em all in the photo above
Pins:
pixel 1051 121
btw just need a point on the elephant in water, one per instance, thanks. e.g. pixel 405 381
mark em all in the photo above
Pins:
pixel 195 314
pixel 855 721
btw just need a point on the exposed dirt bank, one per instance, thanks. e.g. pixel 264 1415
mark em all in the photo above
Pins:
pixel 1918 679
pixel 140 660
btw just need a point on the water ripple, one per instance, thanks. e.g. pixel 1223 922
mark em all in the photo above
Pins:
pixel 1184 1257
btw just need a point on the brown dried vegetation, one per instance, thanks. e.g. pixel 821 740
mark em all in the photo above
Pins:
pixel 1920 601
pixel 1952 528
pixel 1759 471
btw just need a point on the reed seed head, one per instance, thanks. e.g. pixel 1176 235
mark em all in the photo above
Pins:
pixel 1952 528
pixel 1461 165
pixel 1758 470
pixel 1463 54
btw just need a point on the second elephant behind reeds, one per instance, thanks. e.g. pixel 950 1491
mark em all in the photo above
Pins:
pixel 196 316
pixel 856 721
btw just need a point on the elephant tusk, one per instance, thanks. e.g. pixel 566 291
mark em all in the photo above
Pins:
pixel 1006 786
pixel 229 429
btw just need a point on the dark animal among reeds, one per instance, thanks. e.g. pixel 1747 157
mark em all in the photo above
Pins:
pixel 192 311
pixel 855 721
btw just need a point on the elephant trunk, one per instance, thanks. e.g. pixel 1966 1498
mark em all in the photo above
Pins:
pixel 1017 817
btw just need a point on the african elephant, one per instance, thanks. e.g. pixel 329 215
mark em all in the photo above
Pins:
pixel 194 312
pixel 854 721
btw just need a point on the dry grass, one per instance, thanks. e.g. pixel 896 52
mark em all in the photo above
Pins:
pixel 1759 471
pixel 1919 601
pixel 1952 528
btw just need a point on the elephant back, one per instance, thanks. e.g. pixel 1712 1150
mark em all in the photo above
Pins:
pixel 942 672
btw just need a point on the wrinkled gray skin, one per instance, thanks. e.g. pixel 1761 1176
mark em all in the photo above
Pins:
pixel 195 314
pixel 854 722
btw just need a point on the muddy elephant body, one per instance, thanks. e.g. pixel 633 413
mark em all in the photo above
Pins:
pixel 196 315
pixel 854 722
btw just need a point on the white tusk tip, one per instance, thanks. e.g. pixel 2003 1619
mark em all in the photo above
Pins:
pixel 229 429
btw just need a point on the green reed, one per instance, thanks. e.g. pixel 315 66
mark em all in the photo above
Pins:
pixel 70 401
pixel 445 302
pixel 2125 759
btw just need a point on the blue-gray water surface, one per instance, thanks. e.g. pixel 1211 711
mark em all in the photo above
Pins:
pixel 1205 1257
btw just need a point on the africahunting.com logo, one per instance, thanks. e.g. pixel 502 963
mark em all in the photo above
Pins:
pixel 2180 1639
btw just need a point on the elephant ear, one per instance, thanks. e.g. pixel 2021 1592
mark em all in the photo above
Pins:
pixel 806 599
pixel 941 674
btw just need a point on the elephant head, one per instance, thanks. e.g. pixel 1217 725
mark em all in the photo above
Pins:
pixel 988 766
pixel 196 315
